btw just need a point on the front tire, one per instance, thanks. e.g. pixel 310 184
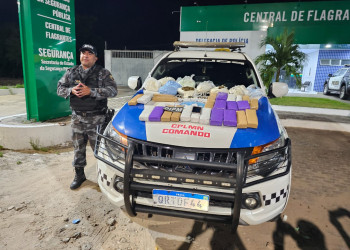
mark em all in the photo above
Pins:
pixel 325 89
pixel 342 93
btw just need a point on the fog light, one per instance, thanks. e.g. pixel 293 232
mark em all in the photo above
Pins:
pixel 119 184
pixel 251 203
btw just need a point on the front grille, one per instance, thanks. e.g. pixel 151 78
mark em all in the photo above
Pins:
pixel 165 163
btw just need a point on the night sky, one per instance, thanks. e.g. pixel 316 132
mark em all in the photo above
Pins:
pixel 131 24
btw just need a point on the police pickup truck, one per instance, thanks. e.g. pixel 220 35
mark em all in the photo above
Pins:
pixel 338 82
pixel 199 140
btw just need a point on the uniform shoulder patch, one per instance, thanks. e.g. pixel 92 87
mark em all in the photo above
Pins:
pixel 110 76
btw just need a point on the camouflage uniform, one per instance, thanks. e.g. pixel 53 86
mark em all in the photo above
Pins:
pixel 84 123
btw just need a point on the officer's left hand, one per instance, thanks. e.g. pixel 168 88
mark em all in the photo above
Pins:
pixel 83 90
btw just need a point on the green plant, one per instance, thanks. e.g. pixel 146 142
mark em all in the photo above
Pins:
pixel 36 145
pixel 44 149
pixel 284 56
pixel 1 147
pixel 1 154
pixel 4 87
pixel 18 86
pixel 19 162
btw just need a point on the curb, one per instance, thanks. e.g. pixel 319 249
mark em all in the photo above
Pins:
pixel 13 136
pixel 12 91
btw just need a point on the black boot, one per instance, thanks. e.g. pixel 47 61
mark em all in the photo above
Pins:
pixel 78 179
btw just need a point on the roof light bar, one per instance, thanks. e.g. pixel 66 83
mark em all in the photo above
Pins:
pixel 233 46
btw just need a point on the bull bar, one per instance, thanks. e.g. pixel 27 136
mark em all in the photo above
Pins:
pixel 131 187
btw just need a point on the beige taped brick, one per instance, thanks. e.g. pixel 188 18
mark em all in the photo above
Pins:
pixel 254 104
pixel 164 98
pixel 241 119
pixel 166 116
pixel 209 104
pixel 213 95
pixel 133 101
pixel 246 98
pixel 175 116
pixel 252 119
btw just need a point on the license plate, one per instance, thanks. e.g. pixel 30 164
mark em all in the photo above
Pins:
pixel 181 199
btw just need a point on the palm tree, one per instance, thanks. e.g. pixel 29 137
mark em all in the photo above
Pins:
pixel 284 56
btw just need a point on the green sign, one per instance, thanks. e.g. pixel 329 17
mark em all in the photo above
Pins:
pixel 48 50
pixel 313 22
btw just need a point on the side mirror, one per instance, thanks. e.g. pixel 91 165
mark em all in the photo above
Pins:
pixel 134 82
pixel 330 75
pixel 278 89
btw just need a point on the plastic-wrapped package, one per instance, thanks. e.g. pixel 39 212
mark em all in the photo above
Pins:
pixel 186 91
pixel 147 110
pixel 231 97
pixel 149 92
pixel 252 118
pixel 164 80
pixel 205 87
pixel 156 114
pixel 151 84
pixel 205 116
pixel 217 116
pixel 239 90
pixel 257 93
pixel 187 81
pixel 195 117
pixel 170 88
pixel 230 118
pixel 222 96
pixel 241 119
pixel 186 114
pixel 133 101
pixel 231 105
pixel 254 104
pixel 218 89
pixel 145 99
pixel 243 105
pixel 220 104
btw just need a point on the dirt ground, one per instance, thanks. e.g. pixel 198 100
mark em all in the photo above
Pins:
pixel 37 208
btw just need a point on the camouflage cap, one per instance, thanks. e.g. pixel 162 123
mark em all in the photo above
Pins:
pixel 88 47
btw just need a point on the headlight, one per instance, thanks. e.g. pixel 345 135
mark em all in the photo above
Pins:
pixel 116 143
pixel 265 165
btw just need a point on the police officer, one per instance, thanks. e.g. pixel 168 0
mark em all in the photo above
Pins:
pixel 88 86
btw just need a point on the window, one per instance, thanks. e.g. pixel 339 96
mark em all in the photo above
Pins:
pixel 334 62
pixel 345 61
pixel 325 62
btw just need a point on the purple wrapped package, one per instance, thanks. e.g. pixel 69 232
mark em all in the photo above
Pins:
pixel 243 105
pixel 217 116
pixel 156 114
pixel 221 96
pixel 219 104
pixel 230 118
pixel 231 105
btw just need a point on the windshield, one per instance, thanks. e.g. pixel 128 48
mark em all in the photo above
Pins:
pixel 221 72
pixel 340 72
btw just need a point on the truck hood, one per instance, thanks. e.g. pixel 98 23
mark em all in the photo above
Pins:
pixel 187 134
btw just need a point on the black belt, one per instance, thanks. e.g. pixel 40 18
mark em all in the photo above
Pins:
pixel 90 113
